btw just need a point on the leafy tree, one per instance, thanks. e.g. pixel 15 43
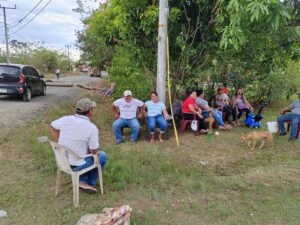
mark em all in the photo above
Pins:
pixel 46 60
pixel 246 43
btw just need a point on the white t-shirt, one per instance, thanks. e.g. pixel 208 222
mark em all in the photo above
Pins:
pixel 77 133
pixel 128 110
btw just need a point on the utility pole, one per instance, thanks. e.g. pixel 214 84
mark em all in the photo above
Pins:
pixel 68 47
pixel 162 50
pixel 5 28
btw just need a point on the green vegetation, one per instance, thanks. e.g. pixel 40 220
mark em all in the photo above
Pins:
pixel 44 59
pixel 244 43
pixel 201 182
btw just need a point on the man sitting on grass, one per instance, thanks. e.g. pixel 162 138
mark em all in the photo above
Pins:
pixel 294 117
pixel 79 134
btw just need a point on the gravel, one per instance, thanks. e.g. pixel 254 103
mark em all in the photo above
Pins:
pixel 14 112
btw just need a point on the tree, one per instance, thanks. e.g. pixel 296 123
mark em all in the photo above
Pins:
pixel 242 42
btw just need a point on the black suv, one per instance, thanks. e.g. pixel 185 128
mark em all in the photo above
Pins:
pixel 21 80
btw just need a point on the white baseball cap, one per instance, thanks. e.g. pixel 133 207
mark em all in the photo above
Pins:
pixel 127 93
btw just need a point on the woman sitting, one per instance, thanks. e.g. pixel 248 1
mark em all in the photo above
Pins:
pixel 240 102
pixel 216 114
pixel 155 109
pixel 190 108
pixel 223 103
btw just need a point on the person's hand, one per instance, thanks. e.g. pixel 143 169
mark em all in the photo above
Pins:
pixel 200 115
pixel 139 115
pixel 117 115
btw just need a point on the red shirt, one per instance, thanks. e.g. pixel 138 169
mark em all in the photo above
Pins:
pixel 224 90
pixel 187 102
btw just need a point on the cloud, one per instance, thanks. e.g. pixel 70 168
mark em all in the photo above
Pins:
pixel 55 25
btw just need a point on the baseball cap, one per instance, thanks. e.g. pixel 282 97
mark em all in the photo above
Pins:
pixel 84 105
pixel 127 93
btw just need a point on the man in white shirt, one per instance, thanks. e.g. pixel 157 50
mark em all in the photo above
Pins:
pixel 126 111
pixel 79 134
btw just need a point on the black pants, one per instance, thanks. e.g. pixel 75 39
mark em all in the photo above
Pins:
pixel 189 116
pixel 241 111
pixel 229 111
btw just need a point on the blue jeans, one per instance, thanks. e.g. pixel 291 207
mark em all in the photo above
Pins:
pixel 216 114
pixel 91 177
pixel 158 119
pixel 295 118
pixel 132 123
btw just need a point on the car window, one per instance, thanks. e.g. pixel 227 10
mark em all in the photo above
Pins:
pixel 26 71
pixel 34 72
pixel 9 71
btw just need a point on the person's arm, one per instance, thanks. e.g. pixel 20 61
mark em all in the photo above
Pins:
pixel 192 109
pixel 286 109
pixel 115 111
pixel 55 133
pixel 248 104
pixel 165 112
pixel 233 101
pixel 205 107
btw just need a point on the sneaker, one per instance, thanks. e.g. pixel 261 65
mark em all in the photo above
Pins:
pixel 282 134
pixel 87 188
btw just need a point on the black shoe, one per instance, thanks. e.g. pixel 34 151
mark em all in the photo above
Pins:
pixel 282 134
pixel 87 188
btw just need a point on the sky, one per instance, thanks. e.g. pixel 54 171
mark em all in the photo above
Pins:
pixel 55 26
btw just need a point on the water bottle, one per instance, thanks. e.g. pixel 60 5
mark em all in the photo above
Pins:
pixel 208 136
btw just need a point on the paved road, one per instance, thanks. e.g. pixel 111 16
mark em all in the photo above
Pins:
pixel 14 111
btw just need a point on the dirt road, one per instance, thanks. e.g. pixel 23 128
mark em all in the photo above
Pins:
pixel 15 112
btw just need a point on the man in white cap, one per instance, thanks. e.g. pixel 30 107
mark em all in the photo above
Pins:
pixel 79 134
pixel 294 117
pixel 126 111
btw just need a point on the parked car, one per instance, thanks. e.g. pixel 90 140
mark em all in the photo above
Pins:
pixel 84 68
pixel 21 80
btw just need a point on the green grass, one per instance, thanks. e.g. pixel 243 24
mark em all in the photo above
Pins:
pixel 201 182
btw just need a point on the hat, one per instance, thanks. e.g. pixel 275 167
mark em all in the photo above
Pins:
pixel 84 105
pixel 127 93
pixel 298 93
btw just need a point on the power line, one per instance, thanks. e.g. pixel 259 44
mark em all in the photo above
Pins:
pixel 21 20
pixel 32 18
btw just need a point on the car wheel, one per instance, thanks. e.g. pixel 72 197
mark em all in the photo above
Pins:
pixel 43 90
pixel 27 95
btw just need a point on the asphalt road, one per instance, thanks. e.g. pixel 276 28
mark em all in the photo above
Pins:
pixel 15 112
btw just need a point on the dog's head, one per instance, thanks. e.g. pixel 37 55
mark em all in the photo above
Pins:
pixel 243 138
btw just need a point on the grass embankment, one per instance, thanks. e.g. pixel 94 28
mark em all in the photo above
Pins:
pixel 201 182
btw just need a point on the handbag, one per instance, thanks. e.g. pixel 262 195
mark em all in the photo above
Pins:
pixel 194 125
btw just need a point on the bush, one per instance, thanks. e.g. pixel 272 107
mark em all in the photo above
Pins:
pixel 127 73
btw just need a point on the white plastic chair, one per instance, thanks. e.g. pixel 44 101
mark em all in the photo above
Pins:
pixel 62 162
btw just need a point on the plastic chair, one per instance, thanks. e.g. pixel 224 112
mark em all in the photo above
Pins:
pixel 184 122
pixel 63 165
